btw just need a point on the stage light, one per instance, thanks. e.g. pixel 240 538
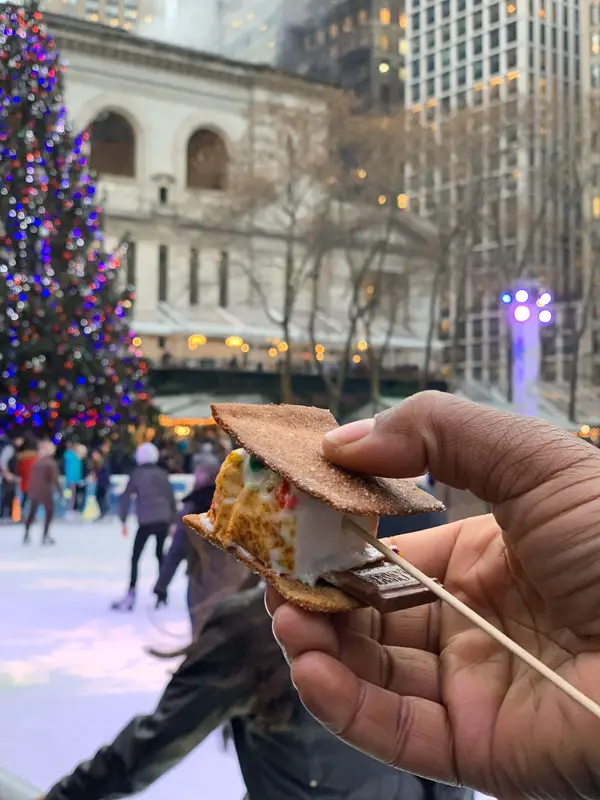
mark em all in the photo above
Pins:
pixel 522 313
pixel 545 299
pixel 545 316
pixel 506 298
pixel 521 296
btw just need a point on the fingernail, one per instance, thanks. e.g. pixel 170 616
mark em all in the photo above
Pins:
pixel 350 434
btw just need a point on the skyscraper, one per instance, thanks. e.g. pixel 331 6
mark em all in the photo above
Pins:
pixel 359 45
pixel 512 68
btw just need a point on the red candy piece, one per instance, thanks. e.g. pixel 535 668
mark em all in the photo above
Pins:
pixel 285 496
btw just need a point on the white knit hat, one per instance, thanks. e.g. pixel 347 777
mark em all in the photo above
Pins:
pixel 147 453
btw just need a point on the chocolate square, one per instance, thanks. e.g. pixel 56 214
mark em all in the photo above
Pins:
pixel 384 586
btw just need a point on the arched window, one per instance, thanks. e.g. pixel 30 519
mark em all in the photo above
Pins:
pixel 113 145
pixel 207 161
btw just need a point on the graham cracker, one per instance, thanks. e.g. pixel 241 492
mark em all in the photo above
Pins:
pixel 289 440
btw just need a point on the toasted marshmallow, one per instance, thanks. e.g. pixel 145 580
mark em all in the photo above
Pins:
pixel 293 534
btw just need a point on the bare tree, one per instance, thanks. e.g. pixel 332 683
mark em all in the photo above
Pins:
pixel 278 187
pixel 452 152
pixel 576 178
pixel 371 242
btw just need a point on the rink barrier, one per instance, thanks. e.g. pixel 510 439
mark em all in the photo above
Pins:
pixel 182 485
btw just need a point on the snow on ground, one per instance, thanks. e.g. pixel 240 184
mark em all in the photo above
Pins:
pixel 72 672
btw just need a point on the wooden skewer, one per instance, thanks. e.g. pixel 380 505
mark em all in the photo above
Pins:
pixel 579 697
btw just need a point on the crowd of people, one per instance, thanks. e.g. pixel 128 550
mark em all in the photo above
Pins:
pixel 34 473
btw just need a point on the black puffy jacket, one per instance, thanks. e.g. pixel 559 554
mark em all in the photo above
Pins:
pixel 297 760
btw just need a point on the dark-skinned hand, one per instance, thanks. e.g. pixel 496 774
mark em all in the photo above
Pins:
pixel 424 689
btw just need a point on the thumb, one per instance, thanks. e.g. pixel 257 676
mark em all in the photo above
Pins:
pixel 543 483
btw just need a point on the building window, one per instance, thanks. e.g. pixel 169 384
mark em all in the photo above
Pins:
pixel 224 280
pixel 163 195
pixel 494 39
pixel 363 17
pixel 207 161
pixel 431 15
pixel 113 146
pixel 596 207
pixel 446 8
pixel 385 16
pixel 430 63
pixel 194 277
pixel 494 65
pixel 511 58
pixel 477 45
pixel 595 43
pixel 494 13
pixel 477 70
pixel 511 32
pixel 446 33
pixel 384 43
pixel 163 273
pixel 477 20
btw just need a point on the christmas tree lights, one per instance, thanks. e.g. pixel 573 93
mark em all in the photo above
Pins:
pixel 67 357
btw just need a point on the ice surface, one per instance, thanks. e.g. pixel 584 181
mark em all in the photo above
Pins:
pixel 72 673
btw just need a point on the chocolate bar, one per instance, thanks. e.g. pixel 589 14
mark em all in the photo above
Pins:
pixel 384 586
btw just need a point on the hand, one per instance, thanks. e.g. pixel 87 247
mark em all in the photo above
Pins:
pixel 425 690
pixel 124 531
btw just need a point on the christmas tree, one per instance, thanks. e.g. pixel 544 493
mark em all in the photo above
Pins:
pixel 67 357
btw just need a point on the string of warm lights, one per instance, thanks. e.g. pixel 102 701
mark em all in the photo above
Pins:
pixel 67 357
pixel 276 347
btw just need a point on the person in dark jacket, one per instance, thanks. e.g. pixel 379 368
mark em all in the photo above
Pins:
pixel 43 483
pixel 235 674
pixel 156 512
pixel 101 471
pixel 212 574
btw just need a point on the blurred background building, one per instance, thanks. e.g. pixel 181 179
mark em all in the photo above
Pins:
pixel 361 46
pixel 250 30
pixel 127 14
pixel 164 159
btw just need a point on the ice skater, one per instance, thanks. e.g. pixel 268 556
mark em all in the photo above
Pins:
pixel 156 512
pixel 43 482
pixel 101 472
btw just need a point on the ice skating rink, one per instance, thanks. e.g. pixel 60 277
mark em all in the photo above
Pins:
pixel 72 673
